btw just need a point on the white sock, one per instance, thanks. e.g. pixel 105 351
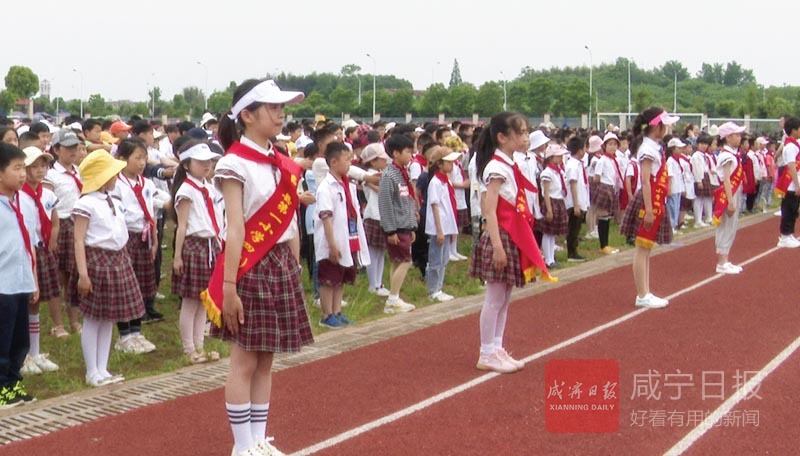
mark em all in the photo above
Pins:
pixel 89 345
pixel 492 304
pixel 33 331
pixel 104 334
pixel 392 299
pixel 239 418
pixel 199 327
pixel 186 324
pixel 258 420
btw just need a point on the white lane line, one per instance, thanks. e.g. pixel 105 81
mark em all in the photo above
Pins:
pixel 732 401
pixel 347 435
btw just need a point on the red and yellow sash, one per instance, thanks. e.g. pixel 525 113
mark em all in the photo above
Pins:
pixel 785 179
pixel 517 221
pixel 659 186
pixel 262 230
pixel 721 198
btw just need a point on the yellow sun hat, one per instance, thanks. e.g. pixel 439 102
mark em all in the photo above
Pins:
pixel 98 168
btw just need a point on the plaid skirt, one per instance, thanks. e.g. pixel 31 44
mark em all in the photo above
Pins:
pixel 196 271
pixel 559 226
pixel 706 191
pixel 275 318
pixel 631 220
pixel 463 219
pixel 115 295
pixel 376 237
pixel 66 246
pixel 592 188
pixel 605 199
pixel 47 273
pixel 143 264
pixel 686 204
pixel 481 266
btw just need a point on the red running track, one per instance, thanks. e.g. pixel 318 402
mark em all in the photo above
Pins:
pixel 731 323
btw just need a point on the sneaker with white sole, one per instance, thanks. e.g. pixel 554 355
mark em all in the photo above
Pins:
pixel 727 268
pixel 248 452
pixel 265 448
pixel 146 344
pixel 129 345
pixel 29 367
pixel 381 292
pixel 461 257
pixel 735 266
pixel 503 354
pixel 398 306
pixel 344 303
pixel 650 301
pixel 788 242
pixel 109 378
pixel 495 363
pixel 44 363
pixel 454 258
pixel 440 296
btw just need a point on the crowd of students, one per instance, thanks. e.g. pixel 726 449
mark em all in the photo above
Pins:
pixel 84 208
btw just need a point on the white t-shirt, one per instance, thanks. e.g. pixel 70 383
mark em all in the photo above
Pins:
pixel 64 187
pixel 575 172
pixel 259 183
pixel 504 171
pixel 622 159
pixel 790 152
pixel 554 177
pixel 372 210
pixel 199 223
pixel 650 150
pixel 699 165
pixel 414 170
pixel 457 177
pixel 31 213
pixel 331 198
pixel 135 218
pixel 606 168
pixel 107 229
pixel 439 194
pixel 759 170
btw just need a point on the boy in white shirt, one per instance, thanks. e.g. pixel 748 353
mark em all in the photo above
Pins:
pixel 676 186
pixel 577 196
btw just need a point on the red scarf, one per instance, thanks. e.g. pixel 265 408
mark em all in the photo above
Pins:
pixel 411 192
pixel 616 166
pixel 450 190
pixel 557 170
pixel 138 190
pixel 352 214
pixel 683 158
pixel 209 204
pixel 785 179
pixel 420 158
pixel 44 220
pixel 26 238
pixel 74 176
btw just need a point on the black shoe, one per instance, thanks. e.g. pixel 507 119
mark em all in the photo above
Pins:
pixel 576 259
pixel 9 398
pixel 552 265
pixel 152 316
pixel 19 390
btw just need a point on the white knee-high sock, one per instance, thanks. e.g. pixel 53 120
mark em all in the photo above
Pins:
pixel 89 345
pixel 493 302
pixel 549 248
pixel 104 334
pixel 375 268
pixel 500 327
pixel 239 418
pixel 33 333
pixel 186 324
pixel 259 413
pixel 199 327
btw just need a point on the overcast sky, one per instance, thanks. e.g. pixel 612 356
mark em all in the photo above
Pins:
pixel 123 48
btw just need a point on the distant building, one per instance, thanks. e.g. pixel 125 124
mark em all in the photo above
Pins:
pixel 44 89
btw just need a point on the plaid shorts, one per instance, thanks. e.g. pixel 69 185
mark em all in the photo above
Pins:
pixel 481 266
pixel 143 264
pixel 559 226
pixel 275 318
pixel 631 221
pixel 66 246
pixel 334 274
pixel 115 295
pixel 196 269
pixel 376 237
pixel 47 273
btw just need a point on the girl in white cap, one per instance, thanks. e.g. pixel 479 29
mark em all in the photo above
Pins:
pixel 554 190
pixel 728 198
pixel 608 183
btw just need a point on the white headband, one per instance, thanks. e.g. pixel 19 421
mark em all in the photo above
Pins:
pixel 199 152
pixel 265 92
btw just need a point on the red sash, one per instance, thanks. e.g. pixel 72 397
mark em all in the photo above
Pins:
pixel 517 221
pixel 623 195
pixel 262 231
pixel 450 190
pixel 209 204
pixel 721 198
pixel 44 219
pixel 26 238
pixel 659 187
pixel 785 179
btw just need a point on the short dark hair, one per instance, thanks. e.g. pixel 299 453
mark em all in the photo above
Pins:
pixel 293 126
pixel 791 123
pixel 321 134
pixel 40 127
pixel 704 138
pixel 575 144
pixel 311 150
pixel 398 143
pixel 373 137
pixel 127 146
pixel 185 126
pixel 9 152
pixel 334 151
pixel 440 132
pixel 91 123
pixel 171 128
pixel 141 126
pixel 423 140
pixel 106 124
pixel 28 138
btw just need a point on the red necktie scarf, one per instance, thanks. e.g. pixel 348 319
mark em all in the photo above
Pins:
pixel 47 224
pixel 138 189
pixel 450 190
pixel 403 171
pixel 209 204
pixel 74 177
pixel 561 176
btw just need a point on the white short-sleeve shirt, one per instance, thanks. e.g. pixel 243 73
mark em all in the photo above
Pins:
pixel 606 168
pixel 474 187
pixel 574 171
pixel 554 177
pixel 439 194
pixel 688 176
pixel 529 167
pixel 135 218
pixel 64 187
pixel 504 171
pixel 457 177
pixel 372 210
pixel 633 171
pixel 331 198
pixel 199 222
pixel 675 173
pixel 414 170
pixel 31 212
pixel 650 150
pixel 107 229
pixel 259 181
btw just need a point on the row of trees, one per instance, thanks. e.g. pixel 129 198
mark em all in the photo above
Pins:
pixel 718 90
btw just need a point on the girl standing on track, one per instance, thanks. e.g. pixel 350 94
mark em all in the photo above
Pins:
pixel 255 295
pixel 728 197
pixel 507 253
pixel 646 217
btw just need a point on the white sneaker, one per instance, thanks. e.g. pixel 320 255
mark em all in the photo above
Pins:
pixel 592 235
pixel 688 217
pixel 462 257
pixel 398 306
pixel 441 297
pixel 317 304
pixel 146 344
pixel 700 224
pixel 789 242
pixel 249 452
pixel 96 380
pixel 454 258
pixel 503 354
pixel 29 367
pixel 265 447
pixel 735 266
pixel 495 363
pixel 777 213
pixel 111 379
pixel 381 292
pixel 559 248
pixel 129 345
pixel 41 360
pixel 727 268
pixel 344 303
pixel 650 301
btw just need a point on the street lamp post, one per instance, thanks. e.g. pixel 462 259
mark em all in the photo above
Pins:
pixel 629 86
pixel 505 92
pixel 374 84
pixel 80 92
pixel 205 89
pixel 591 67
pixel 153 95
pixel 359 88
pixel 675 97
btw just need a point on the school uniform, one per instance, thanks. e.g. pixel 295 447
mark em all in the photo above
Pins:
pixel 688 183
pixel 37 207
pixel 67 186
pixel 348 232
pixel 790 203
pixel 632 171
pixel 575 172
pixel 442 194
pixel 529 166
pixel 376 238
pixel 136 196
pixel 701 165
pixel 629 228
pixel 481 266
pixel 606 196
pixel 398 209
pixel 275 318
pixel 16 288
pixel 676 188
pixel 115 292
pixel 457 177
pixel 726 230
pixel 559 225
pixel 201 244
